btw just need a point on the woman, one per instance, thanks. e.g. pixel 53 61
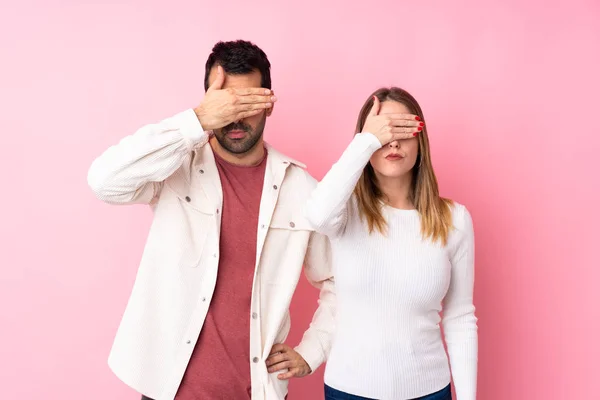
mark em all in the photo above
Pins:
pixel 400 252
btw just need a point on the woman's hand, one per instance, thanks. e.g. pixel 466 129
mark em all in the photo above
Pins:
pixel 390 127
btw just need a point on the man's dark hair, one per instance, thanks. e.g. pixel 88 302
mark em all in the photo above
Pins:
pixel 239 57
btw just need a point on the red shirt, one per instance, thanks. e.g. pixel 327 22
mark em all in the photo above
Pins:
pixel 220 364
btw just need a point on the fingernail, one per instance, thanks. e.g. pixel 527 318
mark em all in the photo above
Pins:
pixel 422 123
pixel 267 92
pixel 417 118
pixel 419 128
pixel 415 134
pixel 273 98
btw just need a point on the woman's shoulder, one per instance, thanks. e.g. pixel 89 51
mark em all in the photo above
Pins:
pixel 461 217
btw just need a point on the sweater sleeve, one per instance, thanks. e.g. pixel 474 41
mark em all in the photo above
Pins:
pixel 326 207
pixel 316 342
pixel 459 321
pixel 133 170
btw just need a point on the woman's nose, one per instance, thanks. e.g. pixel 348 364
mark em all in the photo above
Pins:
pixel 395 144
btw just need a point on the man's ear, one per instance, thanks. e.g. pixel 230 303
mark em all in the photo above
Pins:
pixel 270 110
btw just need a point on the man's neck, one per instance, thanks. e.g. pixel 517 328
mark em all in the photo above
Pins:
pixel 248 159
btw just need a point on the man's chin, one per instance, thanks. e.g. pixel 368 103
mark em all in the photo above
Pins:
pixel 239 146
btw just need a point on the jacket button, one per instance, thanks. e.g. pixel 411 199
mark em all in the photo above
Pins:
pixel 275 187
pixel 292 224
pixel 201 171
pixel 255 360
pixel 254 315
pixel 189 341
pixel 187 198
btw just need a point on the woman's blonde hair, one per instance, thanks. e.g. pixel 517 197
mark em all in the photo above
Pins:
pixel 435 212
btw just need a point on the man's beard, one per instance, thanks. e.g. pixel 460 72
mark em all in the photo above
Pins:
pixel 240 146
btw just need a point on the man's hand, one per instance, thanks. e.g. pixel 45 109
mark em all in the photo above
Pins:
pixel 283 356
pixel 221 107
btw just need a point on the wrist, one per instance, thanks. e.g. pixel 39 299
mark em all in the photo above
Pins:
pixel 201 115
pixel 374 142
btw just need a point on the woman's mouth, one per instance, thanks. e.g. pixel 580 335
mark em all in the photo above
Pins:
pixel 393 157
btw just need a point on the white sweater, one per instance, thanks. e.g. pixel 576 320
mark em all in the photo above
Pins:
pixel 390 291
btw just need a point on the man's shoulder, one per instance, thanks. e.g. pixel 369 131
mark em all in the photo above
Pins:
pixel 301 177
pixel 296 171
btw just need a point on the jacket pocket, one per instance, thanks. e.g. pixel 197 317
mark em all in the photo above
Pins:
pixel 192 219
pixel 289 218
pixel 195 200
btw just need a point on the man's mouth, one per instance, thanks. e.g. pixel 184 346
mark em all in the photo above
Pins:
pixel 236 134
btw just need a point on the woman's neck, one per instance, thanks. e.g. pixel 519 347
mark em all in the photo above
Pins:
pixel 396 191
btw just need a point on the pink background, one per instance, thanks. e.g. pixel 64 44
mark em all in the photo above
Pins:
pixel 510 91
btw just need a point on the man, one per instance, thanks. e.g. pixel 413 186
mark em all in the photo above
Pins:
pixel 210 306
